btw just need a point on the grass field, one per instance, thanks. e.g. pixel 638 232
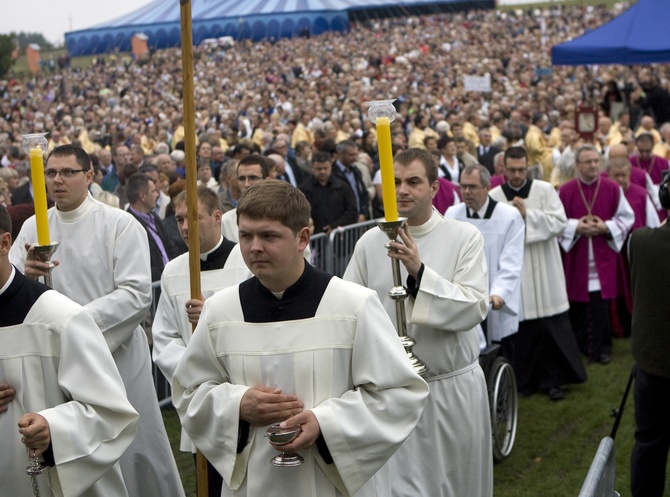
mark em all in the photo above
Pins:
pixel 555 443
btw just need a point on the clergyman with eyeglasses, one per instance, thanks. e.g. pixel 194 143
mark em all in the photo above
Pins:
pixel 250 170
pixel 599 219
pixel 546 353
pixel 103 264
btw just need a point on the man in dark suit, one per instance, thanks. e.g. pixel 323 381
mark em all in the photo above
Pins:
pixel 345 169
pixel 649 253
pixel 332 201
pixel 485 152
pixel 23 194
pixel 142 195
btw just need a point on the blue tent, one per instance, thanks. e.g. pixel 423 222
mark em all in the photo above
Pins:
pixel 242 19
pixel 641 35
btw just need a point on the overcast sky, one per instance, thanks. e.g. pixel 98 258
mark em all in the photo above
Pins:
pixel 53 18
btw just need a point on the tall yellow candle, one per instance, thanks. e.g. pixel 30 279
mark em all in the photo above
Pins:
pixel 386 168
pixel 39 196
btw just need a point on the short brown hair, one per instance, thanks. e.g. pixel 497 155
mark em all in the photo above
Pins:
pixel 80 155
pixel 5 220
pixel 276 200
pixel 205 195
pixel 406 157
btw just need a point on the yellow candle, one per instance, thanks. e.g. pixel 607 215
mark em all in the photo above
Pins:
pixel 386 168
pixel 39 196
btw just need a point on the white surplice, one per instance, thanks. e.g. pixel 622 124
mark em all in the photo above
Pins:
pixel 345 364
pixel 171 329
pixel 543 280
pixel 229 226
pixel 449 453
pixel 104 266
pixel 503 244
pixel 61 368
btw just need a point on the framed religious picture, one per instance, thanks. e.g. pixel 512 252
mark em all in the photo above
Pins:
pixel 586 122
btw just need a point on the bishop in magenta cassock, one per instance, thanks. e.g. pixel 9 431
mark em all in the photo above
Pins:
pixel 599 219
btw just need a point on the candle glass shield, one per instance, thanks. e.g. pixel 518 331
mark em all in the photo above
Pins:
pixel 381 108
pixel 398 293
pixel 282 436
pixel 32 142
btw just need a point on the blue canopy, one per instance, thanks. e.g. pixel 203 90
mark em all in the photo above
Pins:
pixel 241 19
pixel 641 35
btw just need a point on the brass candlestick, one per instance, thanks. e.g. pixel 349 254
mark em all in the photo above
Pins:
pixel 398 293
pixel 44 253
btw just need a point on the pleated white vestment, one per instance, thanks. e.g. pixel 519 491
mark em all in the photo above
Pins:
pixel 503 233
pixel 61 368
pixel 104 266
pixel 449 453
pixel 344 363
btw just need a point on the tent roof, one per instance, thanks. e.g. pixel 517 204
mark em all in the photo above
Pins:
pixel 239 19
pixel 160 11
pixel 641 35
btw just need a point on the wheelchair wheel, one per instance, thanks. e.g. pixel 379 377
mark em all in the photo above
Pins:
pixel 503 404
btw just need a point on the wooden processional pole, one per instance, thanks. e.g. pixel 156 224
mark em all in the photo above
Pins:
pixel 191 189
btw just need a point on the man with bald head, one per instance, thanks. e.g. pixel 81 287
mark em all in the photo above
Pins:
pixel 648 126
pixel 619 170
pixel 165 165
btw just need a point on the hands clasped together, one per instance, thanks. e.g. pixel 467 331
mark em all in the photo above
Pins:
pixel 591 226
pixel 262 406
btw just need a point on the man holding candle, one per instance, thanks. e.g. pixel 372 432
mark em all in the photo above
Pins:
pixel 78 428
pixel 444 267
pixel 103 264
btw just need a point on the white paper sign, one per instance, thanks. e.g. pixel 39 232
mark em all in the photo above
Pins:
pixel 477 83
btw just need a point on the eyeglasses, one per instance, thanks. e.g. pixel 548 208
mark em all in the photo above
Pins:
pixel 64 173
pixel 589 161
pixel 469 187
pixel 250 179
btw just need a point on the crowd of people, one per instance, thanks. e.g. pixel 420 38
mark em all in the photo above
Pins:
pixel 550 208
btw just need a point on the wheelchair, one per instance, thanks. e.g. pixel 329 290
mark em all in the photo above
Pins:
pixel 503 400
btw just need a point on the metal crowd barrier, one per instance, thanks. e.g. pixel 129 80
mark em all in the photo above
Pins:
pixel 162 385
pixel 330 253
pixel 599 481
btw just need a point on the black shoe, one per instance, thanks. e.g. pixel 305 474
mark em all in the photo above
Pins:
pixel 556 394
pixel 605 358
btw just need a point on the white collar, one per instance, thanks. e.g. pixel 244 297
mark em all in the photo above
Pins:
pixel 76 214
pixel 203 256
pixel 435 219
pixel 9 280
pixel 482 212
